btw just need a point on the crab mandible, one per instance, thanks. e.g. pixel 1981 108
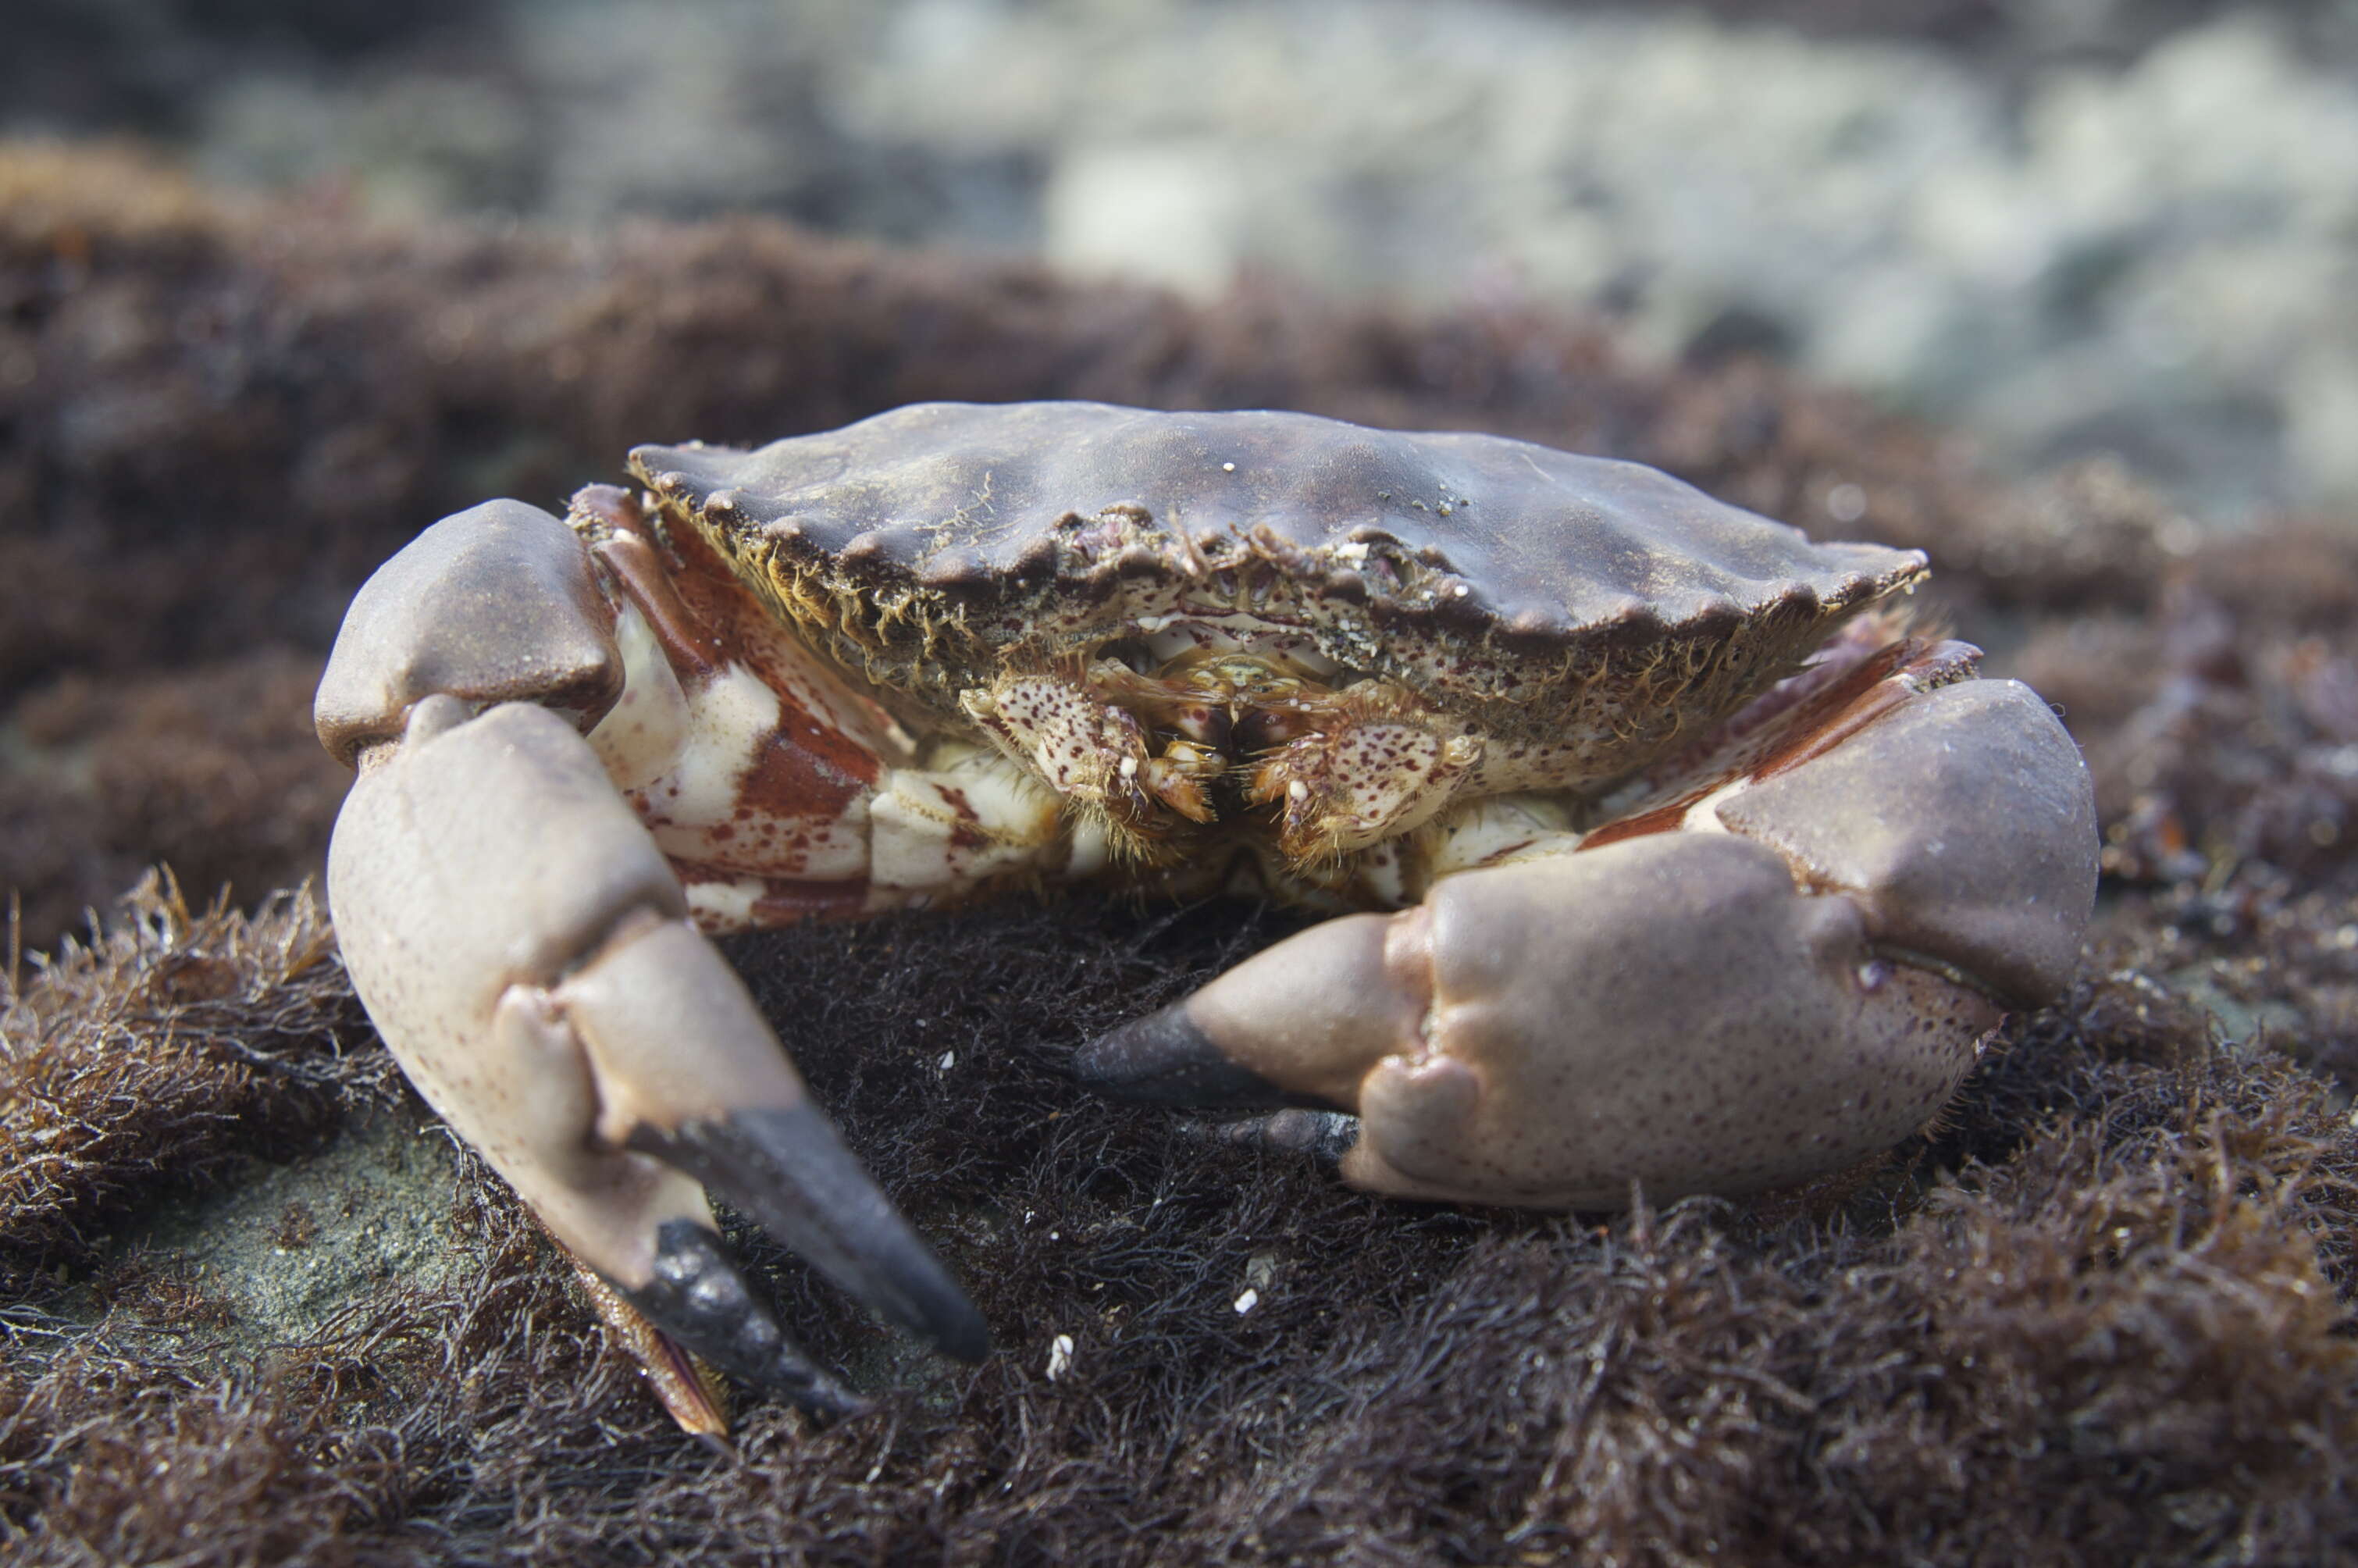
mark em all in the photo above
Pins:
pixel 1709 877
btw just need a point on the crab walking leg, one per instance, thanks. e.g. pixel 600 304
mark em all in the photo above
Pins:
pixel 524 948
pixel 1796 981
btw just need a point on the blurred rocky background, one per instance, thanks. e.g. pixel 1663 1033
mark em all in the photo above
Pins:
pixel 2060 226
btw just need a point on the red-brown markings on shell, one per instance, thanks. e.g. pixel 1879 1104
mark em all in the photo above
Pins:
pixel 967 832
pixel 1804 719
pixel 1879 685
pixel 807 766
pixel 783 900
pixel 628 549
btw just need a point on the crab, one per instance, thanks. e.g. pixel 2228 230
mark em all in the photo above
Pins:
pixel 1664 855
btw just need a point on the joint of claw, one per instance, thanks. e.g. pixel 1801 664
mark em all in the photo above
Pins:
pixel 1408 968
pixel 1965 979
pixel 551 644
pixel 667 1029
pixel 575 986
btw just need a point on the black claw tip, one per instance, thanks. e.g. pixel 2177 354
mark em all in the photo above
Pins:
pixel 1163 1059
pixel 789 1169
pixel 697 1297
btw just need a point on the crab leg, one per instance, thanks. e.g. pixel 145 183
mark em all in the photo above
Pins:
pixel 524 948
pixel 1777 980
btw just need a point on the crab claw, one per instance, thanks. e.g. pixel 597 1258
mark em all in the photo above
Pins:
pixel 1795 984
pixel 523 946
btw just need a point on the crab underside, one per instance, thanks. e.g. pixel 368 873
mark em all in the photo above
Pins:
pixel 1680 862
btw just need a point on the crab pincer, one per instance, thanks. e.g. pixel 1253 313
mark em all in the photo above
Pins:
pixel 1784 970
pixel 525 948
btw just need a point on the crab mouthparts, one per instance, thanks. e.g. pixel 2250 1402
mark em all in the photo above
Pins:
pixel 1215 722
pixel 1227 732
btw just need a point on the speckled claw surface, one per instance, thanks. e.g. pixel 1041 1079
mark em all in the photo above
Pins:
pixel 1710 875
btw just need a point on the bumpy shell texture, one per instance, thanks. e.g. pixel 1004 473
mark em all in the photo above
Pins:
pixel 943 542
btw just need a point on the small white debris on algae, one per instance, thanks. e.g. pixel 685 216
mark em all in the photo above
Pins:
pixel 1247 1301
pixel 1060 1355
pixel 949 1060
